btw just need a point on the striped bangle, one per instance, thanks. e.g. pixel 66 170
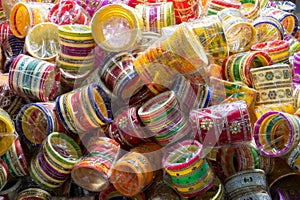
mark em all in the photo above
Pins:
pixel 268 29
pixel 7 132
pixel 233 20
pixel 210 32
pixel 4 173
pixel 30 15
pixel 289 21
pixel 237 67
pixel 102 18
pixel 251 9
pixel 35 193
pixel 268 135
pixel 112 193
pixel 224 124
pixel 215 6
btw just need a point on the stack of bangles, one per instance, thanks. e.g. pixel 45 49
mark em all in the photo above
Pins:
pixel 76 56
pixel 156 15
pixel 30 190
pixel 84 109
pixel 222 125
pixel 5 32
pixel 34 78
pixel 278 50
pixel 268 29
pixel 4 173
pixel 132 173
pixel 251 9
pixel 289 21
pixel 191 96
pixel 210 32
pixel 214 6
pixel 239 32
pixel 111 193
pixel 118 74
pixel 247 184
pixel 24 16
pixel 237 66
pixel 68 12
pixel 163 117
pixel 35 121
pixel 186 172
pixel 92 171
pixel 51 167
pixel 7 132
pixel 276 133
pixel 186 10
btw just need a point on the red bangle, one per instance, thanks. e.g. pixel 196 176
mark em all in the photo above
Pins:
pixel 271 46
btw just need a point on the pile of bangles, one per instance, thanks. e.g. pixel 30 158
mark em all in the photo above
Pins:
pixel 148 100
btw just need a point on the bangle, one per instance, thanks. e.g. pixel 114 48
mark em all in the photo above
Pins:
pixel 237 67
pixel 5 32
pixel 257 194
pixel 215 6
pixel 68 12
pixel 221 125
pixel 268 29
pixel 296 67
pixel 108 15
pixel 280 107
pixel 228 162
pixel 210 32
pixel 36 193
pixel 10 190
pixel 4 173
pixel 30 14
pixel 278 50
pixel 112 193
pixel 7 132
pixel 186 10
pixel 289 21
pixel 42 41
pixel 239 32
pixel 286 6
pixel 35 121
pixel 268 134
pixel 251 9
pixel 217 192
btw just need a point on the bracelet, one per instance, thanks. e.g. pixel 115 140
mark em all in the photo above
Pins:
pixel 278 50
pixel 251 9
pixel 271 95
pixel 210 32
pixel 268 29
pixel 111 193
pixel 5 32
pixel 239 32
pixel 280 107
pixel 68 12
pixel 268 134
pixel 289 21
pixel 103 17
pixel 264 195
pixel 34 193
pixel 7 132
pixel 35 121
pixel 221 125
pixel 215 6
pixel 217 192
pixel 30 14
pixel 186 10
pixel 4 173
pixel 296 67
pixel 237 67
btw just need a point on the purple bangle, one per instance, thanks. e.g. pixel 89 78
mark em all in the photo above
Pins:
pixel 293 132
pixel 296 65
pixel 76 51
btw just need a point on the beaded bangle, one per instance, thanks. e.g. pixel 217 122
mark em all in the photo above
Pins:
pixel 35 193
pixel 29 14
pixel 215 6
pixel 111 193
pixel 278 50
pixel 68 12
pixel 289 21
pixel 4 173
pixel 221 125
pixel 269 133
pixel 268 29
pixel 164 11
pixel 210 32
pixel 239 32
pixel 108 15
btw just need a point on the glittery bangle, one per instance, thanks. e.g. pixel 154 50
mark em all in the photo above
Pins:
pixel 36 193
pixel 268 135
pixel 239 32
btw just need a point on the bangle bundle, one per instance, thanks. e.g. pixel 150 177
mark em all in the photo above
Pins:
pixel 24 16
pixel 125 21
pixel 33 193
pixel 237 67
pixel 222 125
pixel 268 29
pixel 76 56
pixel 289 21
pixel 210 32
pixel 118 74
pixel 214 6
pixel 276 133
pixel 163 117
pixel 156 15
pixel 34 78
pixel 7 134
pixel 51 167
pixel 278 50
pixel 68 12
pixel 251 9
pixel 111 193
pixel 35 121
pixel 16 160
pixel 84 109
pixel 239 32
pixel 92 171
pixel 186 172
pixel 132 173
pixel 4 173
pixel 186 10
